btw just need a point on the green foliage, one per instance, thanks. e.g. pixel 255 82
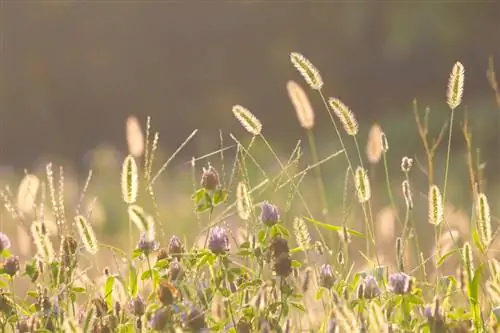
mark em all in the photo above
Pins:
pixel 255 279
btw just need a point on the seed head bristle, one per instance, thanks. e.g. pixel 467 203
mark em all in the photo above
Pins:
pixel 142 220
pixel 468 259
pixel 44 247
pixel 376 318
pixel 134 136
pixel 407 194
pixel 406 164
pixel 436 208
pixel 86 233
pixel 456 85
pixel 362 185
pixel 374 147
pixel 385 143
pixel 386 224
pixel 130 180
pixel 400 254
pixel 26 193
pixel 243 202
pixel 484 219
pixel 301 233
pixel 301 103
pixel 247 120
pixel 345 116
pixel 307 70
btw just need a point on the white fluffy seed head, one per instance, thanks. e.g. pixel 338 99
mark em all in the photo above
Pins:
pixel 456 85
pixel 134 136
pixel 301 103
pixel 87 234
pixel 307 70
pixel 345 116
pixel 27 192
pixel 247 120
pixel 130 180
pixel 362 184
pixel 374 148
pixel 484 219
pixel 243 203
pixel 436 206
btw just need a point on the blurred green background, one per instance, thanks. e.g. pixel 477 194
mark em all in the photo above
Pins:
pixel 71 72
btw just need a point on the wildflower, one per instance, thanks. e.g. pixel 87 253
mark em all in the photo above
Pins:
pixel 332 326
pixel 4 242
pixel 11 266
pixel 326 276
pixel 269 214
pixel 147 245
pixel 159 319
pixel 400 283
pixel 218 241
pixel 68 250
pixel 278 246
pixel 283 265
pixel 167 292
pixel 265 327
pixel 162 254
pixel 243 327
pixel 137 306
pixel 175 270
pixel 210 178
pixel 371 287
pixel 175 247
pixel 195 320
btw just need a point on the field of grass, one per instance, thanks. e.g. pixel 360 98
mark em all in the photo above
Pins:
pixel 247 239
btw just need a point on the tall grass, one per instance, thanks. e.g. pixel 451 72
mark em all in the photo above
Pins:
pixel 284 268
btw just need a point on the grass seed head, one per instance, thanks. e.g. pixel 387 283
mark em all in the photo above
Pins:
pixel 307 70
pixel 247 119
pixel 456 86
pixel 345 115
pixel 301 103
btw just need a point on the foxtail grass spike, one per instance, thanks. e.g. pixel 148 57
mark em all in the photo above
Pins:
pixel 307 70
pixel 247 120
pixel 456 86
pixel 130 180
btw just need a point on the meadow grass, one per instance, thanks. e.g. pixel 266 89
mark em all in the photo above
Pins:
pixel 264 259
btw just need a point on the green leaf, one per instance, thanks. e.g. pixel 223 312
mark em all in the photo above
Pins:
pixel 204 204
pixel 161 264
pixel 108 291
pixel 319 293
pixel 477 240
pixel 279 230
pixel 475 284
pixel 220 196
pixel 78 290
pixel 298 306
pixel 296 264
pixel 6 253
pixel 198 195
pixel 136 254
pixel 334 227
pixel 132 281
pixel 445 256
pixel 261 236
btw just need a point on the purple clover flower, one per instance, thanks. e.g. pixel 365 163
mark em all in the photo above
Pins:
pixel 269 214
pixel 400 283
pixel 218 241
